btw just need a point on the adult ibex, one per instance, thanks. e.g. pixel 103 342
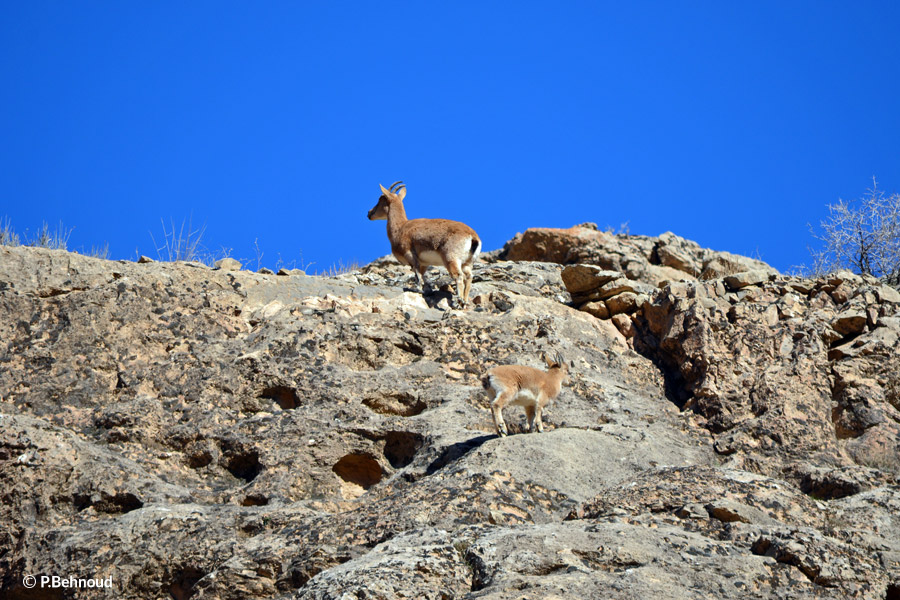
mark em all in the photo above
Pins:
pixel 421 243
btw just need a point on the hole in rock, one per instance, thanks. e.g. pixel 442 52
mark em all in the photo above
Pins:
pixel 185 580
pixel 198 456
pixel 402 404
pixel 400 447
pixel 255 500
pixel 284 396
pixel 122 502
pixel 242 463
pixel 360 469
pixel 893 592
pixel 81 501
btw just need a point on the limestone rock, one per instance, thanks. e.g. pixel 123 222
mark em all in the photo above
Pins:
pixel 850 322
pixel 624 324
pixel 641 258
pixel 228 264
pixel 887 294
pixel 584 278
pixel 226 434
pixel 626 302
pixel 598 309
pixel 745 278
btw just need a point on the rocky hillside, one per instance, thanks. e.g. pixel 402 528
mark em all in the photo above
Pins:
pixel 728 432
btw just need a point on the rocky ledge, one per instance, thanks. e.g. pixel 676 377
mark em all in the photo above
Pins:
pixel 209 433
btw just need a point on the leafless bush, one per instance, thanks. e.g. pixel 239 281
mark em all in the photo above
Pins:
pixel 623 230
pixel 56 239
pixel 294 264
pixel 259 254
pixel 861 235
pixel 183 243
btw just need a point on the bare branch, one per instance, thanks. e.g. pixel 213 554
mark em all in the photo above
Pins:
pixel 861 235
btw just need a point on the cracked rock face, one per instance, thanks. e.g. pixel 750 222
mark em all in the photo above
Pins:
pixel 783 386
pixel 201 433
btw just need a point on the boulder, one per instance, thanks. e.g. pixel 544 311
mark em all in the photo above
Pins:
pixel 585 278
pixel 741 280
pixel 228 264
pixel 625 302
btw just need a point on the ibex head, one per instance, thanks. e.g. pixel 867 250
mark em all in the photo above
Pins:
pixel 556 361
pixel 396 192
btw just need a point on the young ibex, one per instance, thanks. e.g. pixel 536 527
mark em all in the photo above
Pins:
pixel 421 243
pixel 526 386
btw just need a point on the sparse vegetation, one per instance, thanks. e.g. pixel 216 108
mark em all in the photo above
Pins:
pixel 861 235
pixel 8 237
pixel 259 254
pixel 55 239
pixel 185 243
pixel 339 268
pixel 623 230
pixel 306 267
pixel 100 251
pixel 182 242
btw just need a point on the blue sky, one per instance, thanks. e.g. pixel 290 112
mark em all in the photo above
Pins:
pixel 732 124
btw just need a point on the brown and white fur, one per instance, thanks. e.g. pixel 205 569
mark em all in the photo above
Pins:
pixel 421 243
pixel 525 386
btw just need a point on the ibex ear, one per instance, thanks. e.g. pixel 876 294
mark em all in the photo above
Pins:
pixel 401 192
pixel 384 191
pixel 546 359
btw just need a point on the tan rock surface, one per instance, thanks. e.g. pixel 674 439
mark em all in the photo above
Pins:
pixel 199 433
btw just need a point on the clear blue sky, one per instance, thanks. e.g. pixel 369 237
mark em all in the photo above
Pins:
pixel 732 124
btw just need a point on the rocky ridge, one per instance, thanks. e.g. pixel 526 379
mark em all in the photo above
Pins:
pixel 201 433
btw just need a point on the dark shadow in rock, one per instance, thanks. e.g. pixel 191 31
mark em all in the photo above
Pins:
pixel 284 396
pixel 893 592
pixel 410 345
pixel 241 462
pixel 122 502
pixel 400 447
pixel 454 452
pixel 402 404
pixel 199 454
pixel 433 296
pixel 829 486
pixel 676 388
pixel 255 500
pixel 182 587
